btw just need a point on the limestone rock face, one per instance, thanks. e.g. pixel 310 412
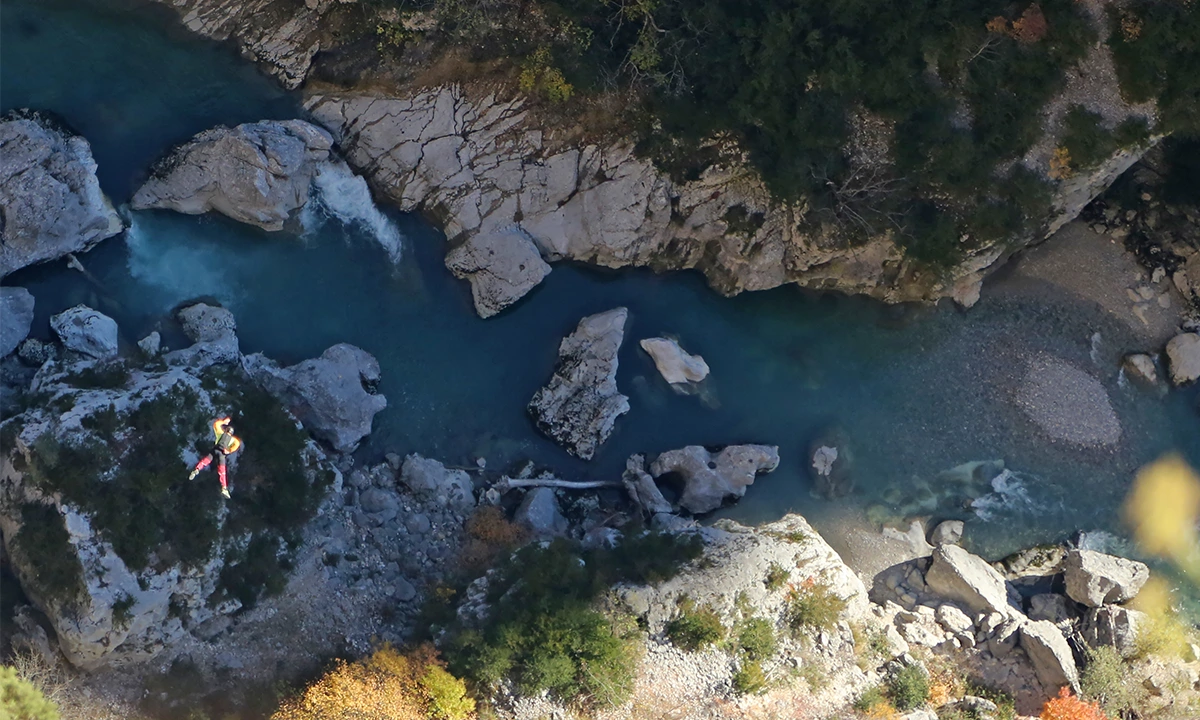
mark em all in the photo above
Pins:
pixel 1114 626
pixel 673 363
pixel 711 478
pixel 956 574
pixel 213 332
pixel 425 475
pixel 1183 358
pixel 328 394
pixel 1050 654
pixel 16 317
pixel 87 332
pixel 641 487
pixel 256 173
pixel 50 201
pixel 539 512
pixel 501 266
pixel 1096 579
pixel 580 404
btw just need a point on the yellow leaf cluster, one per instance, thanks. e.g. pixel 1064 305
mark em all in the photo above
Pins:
pixel 1162 510
pixel 1060 164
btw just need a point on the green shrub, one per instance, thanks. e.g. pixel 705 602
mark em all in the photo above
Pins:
pixel 869 698
pixel 813 605
pixel 43 540
pixel 756 638
pixel 749 678
pixel 110 375
pixel 777 575
pixel 448 698
pixel 909 688
pixel 1157 58
pixel 1088 142
pixel 121 611
pixel 20 700
pixel 1107 680
pixel 695 628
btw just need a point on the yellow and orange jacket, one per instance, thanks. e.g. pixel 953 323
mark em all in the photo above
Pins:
pixel 227 442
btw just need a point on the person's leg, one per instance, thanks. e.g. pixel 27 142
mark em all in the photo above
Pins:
pixel 204 462
pixel 221 474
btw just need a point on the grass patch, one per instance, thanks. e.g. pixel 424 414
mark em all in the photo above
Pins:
pixel 777 576
pixel 695 628
pixel 43 540
pixel 756 638
pixel 749 678
pixel 871 646
pixel 813 605
pixel 908 689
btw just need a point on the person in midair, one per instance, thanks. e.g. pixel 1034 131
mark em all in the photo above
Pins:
pixel 227 444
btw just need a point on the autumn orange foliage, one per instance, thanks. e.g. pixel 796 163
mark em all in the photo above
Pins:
pixel 1031 26
pixel 489 534
pixel 1068 707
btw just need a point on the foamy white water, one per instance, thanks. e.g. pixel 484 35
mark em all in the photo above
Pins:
pixel 344 196
pixel 1009 494
pixel 178 270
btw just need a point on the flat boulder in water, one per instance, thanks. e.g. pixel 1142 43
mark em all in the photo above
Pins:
pixel 1183 357
pixel 50 199
pixel 1068 404
pixel 711 478
pixel 501 266
pixel 580 404
pixel 257 173
pixel 673 362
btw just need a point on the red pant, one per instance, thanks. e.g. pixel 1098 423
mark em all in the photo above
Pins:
pixel 207 459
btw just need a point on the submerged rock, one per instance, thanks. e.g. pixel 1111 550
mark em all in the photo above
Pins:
pixel 947 532
pixel 50 200
pixel 580 404
pixel 328 394
pixel 1096 579
pixel 16 317
pixel 256 173
pixel 674 364
pixel 709 479
pixel 501 266
pixel 830 464
pixel 1183 358
pixel 87 332
pixel 1139 367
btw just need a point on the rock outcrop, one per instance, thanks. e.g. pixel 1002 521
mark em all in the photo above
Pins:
pixel 580 404
pixel 501 266
pixel 643 492
pixel 213 332
pixel 958 575
pixel 430 477
pixel 674 364
pixel 1050 654
pixel 16 312
pixel 50 200
pixel 539 513
pixel 1183 358
pixel 332 395
pixel 708 479
pixel 1094 579
pixel 1112 626
pixel 257 173
pixel 87 332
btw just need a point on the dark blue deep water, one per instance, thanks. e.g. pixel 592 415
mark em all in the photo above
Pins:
pixel 918 390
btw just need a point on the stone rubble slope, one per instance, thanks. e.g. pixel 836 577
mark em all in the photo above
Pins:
pixel 50 200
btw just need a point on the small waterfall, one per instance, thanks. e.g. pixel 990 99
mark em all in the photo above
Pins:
pixel 344 196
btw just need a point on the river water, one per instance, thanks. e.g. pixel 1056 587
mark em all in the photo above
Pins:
pixel 918 390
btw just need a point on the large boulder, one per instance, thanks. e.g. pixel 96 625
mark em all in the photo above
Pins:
pixel 1139 367
pixel 257 173
pixel 1183 358
pixel 50 200
pixel 87 332
pixel 428 476
pixel 330 395
pixel 641 487
pixel 674 364
pixel 580 404
pixel 539 512
pixel 1112 626
pixel 16 317
pixel 709 479
pixel 1050 654
pixel 956 574
pixel 213 332
pixel 1096 579
pixel 501 266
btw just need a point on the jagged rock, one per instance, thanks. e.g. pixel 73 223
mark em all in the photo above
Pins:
pixel 424 475
pixel 50 201
pixel 674 364
pixel 954 620
pixel 1139 367
pixel 213 332
pixel 831 464
pixel 16 308
pixel 151 345
pixel 34 352
pixel 947 532
pixel 709 479
pixel 1050 654
pixel 1114 626
pixel 641 487
pixel 1096 579
pixel 956 574
pixel 1050 606
pixel 539 512
pixel 256 173
pixel 1002 641
pixel 30 637
pixel 1036 561
pixel 328 394
pixel 580 404
pixel 87 332
pixel 1183 358
pixel 501 266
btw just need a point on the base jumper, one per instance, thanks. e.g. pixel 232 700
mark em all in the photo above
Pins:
pixel 226 445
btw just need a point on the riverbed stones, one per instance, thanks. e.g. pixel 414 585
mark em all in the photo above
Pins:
pixel 1139 367
pixel 501 265
pixel 331 395
pixel 1183 358
pixel 1068 404
pixel 1094 579
pixel 428 476
pixel 50 200
pixel 675 365
pixel 1050 654
pixel 957 575
pixel 256 173
pixel 708 478
pixel 87 332
pixel 539 513
pixel 580 404
pixel 16 317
